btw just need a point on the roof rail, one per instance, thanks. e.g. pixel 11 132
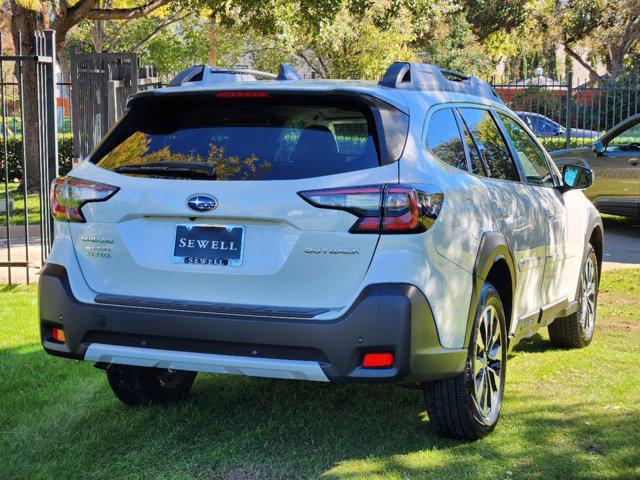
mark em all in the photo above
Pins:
pixel 425 77
pixel 206 75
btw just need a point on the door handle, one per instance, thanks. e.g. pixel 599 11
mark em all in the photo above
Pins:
pixel 634 161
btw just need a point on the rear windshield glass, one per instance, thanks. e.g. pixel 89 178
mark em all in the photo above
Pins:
pixel 244 139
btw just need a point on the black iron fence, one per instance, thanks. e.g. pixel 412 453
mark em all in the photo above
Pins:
pixel 28 154
pixel 100 85
pixel 566 113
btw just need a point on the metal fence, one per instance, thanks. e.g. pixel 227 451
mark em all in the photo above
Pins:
pixel 100 85
pixel 566 113
pixel 28 155
pixel 13 117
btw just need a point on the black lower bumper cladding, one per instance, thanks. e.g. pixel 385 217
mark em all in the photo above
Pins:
pixel 389 317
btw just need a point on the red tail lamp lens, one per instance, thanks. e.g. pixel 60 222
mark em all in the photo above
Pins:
pixel 58 334
pixel 377 360
pixel 382 208
pixel 69 194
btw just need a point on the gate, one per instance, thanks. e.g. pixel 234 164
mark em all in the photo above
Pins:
pixel 28 155
pixel 100 85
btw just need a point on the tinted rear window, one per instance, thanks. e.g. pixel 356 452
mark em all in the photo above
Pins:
pixel 246 139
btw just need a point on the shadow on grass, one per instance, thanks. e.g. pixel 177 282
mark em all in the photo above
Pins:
pixel 9 288
pixel 65 420
pixel 533 344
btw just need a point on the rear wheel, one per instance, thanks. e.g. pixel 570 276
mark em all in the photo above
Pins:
pixel 468 405
pixel 576 330
pixel 141 386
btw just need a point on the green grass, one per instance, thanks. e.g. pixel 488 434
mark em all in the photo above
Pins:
pixel 17 217
pixel 569 414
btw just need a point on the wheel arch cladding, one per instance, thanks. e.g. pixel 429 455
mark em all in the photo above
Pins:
pixel 597 241
pixel 494 264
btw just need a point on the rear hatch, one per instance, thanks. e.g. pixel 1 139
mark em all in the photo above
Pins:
pixel 208 207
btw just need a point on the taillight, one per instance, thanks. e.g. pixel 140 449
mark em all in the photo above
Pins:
pixel 382 208
pixel 69 194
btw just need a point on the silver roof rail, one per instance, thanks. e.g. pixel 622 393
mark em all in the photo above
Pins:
pixel 207 75
pixel 425 77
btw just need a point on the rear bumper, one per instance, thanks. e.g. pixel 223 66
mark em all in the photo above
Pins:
pixel 385 317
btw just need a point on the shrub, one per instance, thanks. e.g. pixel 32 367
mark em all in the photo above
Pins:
pixel 14 149
pixel 555 143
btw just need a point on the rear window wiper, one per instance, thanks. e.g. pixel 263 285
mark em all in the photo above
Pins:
pixel 195 170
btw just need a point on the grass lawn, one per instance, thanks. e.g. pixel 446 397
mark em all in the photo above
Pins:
pixel 568 414
pixel 17 218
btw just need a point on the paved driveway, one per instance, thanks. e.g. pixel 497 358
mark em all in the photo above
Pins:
pixel 621 244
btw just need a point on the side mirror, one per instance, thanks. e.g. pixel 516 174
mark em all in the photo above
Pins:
pixel 599 147
pixel 577 177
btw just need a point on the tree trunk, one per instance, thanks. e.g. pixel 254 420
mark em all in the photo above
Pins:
pixel 26 21
pixel 98 35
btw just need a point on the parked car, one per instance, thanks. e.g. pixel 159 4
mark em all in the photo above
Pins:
pixel 410 231
pixel 544 127
pixel 615 159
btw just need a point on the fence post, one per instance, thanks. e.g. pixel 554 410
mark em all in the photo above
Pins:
pixel 569 108
pixel 50 92
pixel 52 126
pixel 75 107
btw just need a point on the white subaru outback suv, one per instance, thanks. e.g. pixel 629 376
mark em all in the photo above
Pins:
pixel 410 231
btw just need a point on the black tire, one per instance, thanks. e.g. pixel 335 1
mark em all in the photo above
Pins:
pixel 141 386
pixel 451 403
pixel 576 330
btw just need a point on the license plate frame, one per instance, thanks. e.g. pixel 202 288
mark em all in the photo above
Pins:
pixel 229 233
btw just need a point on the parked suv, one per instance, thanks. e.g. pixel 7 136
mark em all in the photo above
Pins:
pixel 410 231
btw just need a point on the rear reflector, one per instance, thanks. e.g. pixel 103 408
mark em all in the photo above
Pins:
pixel 236 94
pixel 382 208
pixel 58 334
pixel 377 360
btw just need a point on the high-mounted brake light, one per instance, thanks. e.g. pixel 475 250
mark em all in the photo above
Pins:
pixel 382 208
pixel 245 94
pixel 69 194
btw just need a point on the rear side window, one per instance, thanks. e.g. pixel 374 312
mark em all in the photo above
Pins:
pixel 490 143
pixel 443 139
pixel 245 139
pixel 532 158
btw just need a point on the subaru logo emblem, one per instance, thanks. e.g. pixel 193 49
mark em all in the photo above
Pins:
pixel 202 203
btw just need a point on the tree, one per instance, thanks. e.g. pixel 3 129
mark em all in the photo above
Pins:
pixel 331 39
pixel 487 17
pixel 610 29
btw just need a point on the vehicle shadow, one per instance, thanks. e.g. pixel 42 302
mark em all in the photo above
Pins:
pixel 534 344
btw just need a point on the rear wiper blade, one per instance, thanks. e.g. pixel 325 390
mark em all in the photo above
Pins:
pixel 196 170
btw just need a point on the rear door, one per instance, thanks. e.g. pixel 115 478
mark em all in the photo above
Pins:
pixel 518 212
pixel 540 184
pixel 261 243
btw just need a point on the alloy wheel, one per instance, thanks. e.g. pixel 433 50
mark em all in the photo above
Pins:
pixel 488 366
pixel 588 300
